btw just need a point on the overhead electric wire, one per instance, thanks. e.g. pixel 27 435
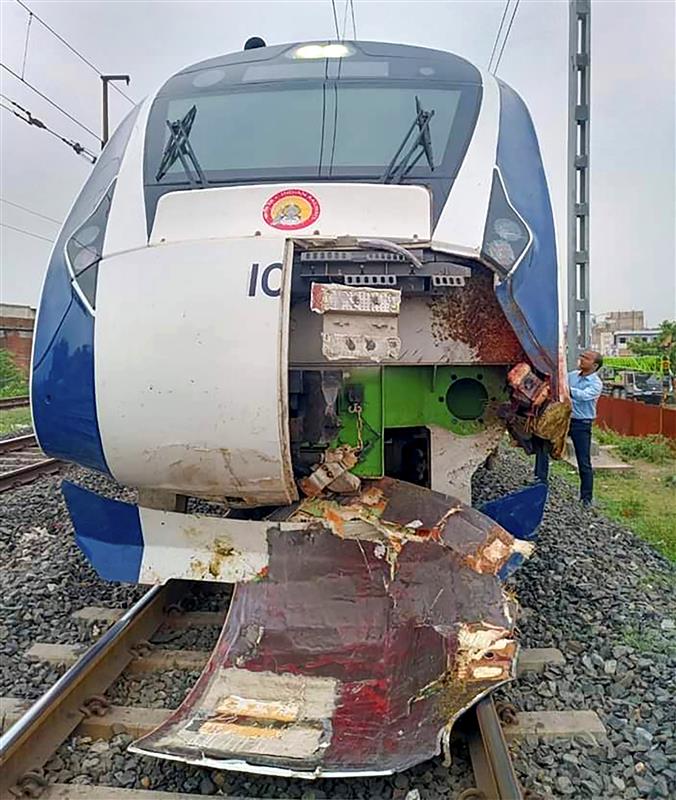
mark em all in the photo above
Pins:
pixel 29 119
pixel 25 47
pixel 504 41
pixel 497 35
pixel 51 102
pixel 354 24
pixel 335 18
pixel 345 18
pixel 27 233
pixel 73 50
pixel 29 210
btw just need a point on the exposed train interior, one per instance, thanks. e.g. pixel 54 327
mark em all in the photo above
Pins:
pixel 443 367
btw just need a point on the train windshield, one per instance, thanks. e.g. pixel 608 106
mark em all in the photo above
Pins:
pixel 327 129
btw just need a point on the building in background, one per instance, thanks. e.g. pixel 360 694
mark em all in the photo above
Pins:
pixel 16 333
pixel 622 339
pixel 613 331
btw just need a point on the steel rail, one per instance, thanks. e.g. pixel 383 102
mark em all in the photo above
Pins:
pixel 33 739
pixel 493 769
pixel 18 443
pixel 14 402
pixel 21 475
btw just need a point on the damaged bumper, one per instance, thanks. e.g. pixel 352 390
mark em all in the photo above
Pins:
pixel 363 629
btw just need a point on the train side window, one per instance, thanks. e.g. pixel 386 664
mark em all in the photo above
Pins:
pixel 85 246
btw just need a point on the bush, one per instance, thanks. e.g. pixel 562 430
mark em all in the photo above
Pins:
pixel 12 381
pixel 654 448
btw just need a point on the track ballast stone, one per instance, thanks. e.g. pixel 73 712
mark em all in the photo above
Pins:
pixel 605 598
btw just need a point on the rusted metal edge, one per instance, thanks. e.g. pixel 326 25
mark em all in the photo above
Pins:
pixel 30 742
pixel 491 762
pixel 18 443
pixel 8 480
pixel 14 402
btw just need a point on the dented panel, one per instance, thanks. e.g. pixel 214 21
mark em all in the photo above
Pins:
pixel 171 413
pixel 379 620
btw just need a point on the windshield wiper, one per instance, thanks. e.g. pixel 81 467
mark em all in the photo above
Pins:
pixel 422 143
pixel 178 147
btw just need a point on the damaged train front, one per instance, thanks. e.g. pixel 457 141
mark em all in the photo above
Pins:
pixel 328 381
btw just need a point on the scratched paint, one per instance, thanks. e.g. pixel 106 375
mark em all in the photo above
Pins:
pixel 380 619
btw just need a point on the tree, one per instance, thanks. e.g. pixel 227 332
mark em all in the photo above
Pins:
pixel 12 380
pixel 664 346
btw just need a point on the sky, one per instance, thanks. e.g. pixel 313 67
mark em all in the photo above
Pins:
pixel 633 202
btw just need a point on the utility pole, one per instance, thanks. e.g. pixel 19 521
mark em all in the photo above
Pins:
pixel 579 85
pixel 105 80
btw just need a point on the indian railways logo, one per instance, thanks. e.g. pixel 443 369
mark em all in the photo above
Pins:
pixel 291 209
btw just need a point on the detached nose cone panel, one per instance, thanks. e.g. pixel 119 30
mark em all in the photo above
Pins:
pixel 369 635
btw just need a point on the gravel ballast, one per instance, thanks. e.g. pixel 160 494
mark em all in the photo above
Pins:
pixel 592 589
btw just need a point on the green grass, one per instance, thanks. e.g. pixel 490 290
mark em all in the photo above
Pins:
pixel 647 641
pixel 642 499
pixel 14 418
pixel 655 448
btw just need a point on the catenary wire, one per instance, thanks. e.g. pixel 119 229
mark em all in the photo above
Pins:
pixel 335 18
pixel 29 119
pixel 73 50
pixel 345 7
pixel 498 34
pixel 29 210
pixel 354 24
pixel 504 42
pixel 51 102
pixel 27 233
pixel 25 47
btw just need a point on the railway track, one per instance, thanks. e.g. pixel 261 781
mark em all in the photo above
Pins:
pixel 14 402
pixel 22 461
pixel 77 703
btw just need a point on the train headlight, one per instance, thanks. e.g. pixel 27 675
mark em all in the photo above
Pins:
pixel 506 237
pixel 333 50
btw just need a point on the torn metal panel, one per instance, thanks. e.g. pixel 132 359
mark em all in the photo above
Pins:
pixel 379 620
pixel 355 345
pixel 337 298
pixel 456 458
pixel 359 323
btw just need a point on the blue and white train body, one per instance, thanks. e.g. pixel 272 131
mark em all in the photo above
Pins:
pixel 300 277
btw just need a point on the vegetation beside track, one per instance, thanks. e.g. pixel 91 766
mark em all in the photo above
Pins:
pixel 13 382
pixel 644 498
pixel 13 420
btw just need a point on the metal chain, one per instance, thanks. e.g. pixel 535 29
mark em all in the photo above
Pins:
pixel 355 408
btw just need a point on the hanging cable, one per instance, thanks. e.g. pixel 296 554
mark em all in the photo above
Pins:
pixel 51 102
pixel 335 18
pixel 504 42
pixel 25 47
pixel 30 210
pixel 345 18
pixel 29 119
pixel 27 233
pixel 354 24
pixel 498 34
pixel 72 49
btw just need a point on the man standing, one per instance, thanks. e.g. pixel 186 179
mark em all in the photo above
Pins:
pixel 585 389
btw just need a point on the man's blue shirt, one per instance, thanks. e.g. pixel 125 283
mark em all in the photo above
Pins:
pixel 584 392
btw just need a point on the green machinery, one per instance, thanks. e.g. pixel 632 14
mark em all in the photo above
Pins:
pixel 377 402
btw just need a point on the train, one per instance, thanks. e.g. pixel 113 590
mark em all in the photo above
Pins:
pixel 297 303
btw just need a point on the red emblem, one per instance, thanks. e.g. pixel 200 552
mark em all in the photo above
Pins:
pixel 291 209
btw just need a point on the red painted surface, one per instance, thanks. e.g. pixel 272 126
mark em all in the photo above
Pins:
pixel 631 418
pixel 386 632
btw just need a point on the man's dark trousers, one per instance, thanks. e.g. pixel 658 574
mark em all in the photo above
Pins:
pixel 541 448
pixel 581 434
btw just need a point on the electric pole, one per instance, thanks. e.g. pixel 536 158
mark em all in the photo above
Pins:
pixel 579 85
pixel 105 80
